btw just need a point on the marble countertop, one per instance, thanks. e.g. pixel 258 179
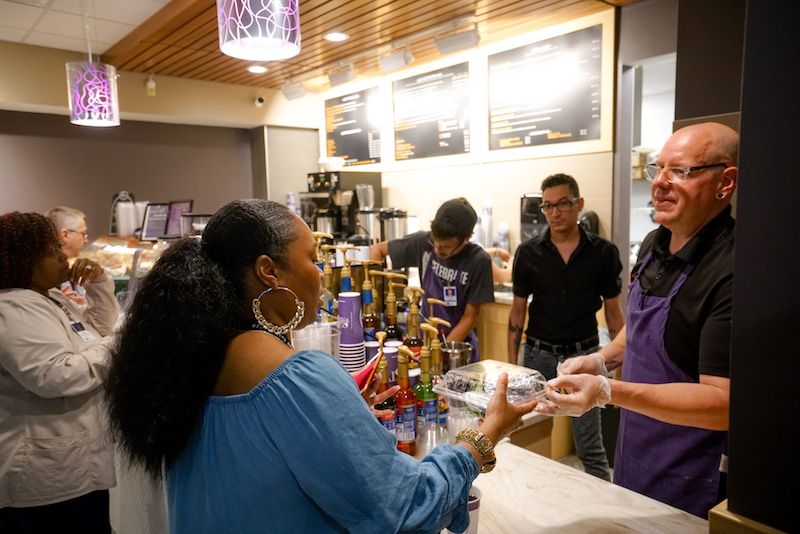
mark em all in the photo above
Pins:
pixel 528 493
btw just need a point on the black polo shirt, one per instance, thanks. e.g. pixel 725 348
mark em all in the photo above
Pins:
pixel 698 330
pixel 565 297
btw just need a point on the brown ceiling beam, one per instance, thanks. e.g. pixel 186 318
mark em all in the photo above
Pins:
pixel 167 20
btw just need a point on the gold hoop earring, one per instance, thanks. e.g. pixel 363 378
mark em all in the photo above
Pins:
pixel 273 328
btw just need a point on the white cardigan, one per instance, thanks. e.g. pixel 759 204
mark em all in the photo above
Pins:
pixel 55 443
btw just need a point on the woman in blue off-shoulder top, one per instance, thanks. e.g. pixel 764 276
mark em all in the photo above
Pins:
pixel 253 436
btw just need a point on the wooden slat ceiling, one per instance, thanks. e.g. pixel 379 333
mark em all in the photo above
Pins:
pixel 182 40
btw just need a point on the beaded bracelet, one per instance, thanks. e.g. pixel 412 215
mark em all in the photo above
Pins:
pixel 482 444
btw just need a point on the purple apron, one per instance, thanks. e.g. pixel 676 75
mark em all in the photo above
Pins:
pixel 434 288
pixel 675 464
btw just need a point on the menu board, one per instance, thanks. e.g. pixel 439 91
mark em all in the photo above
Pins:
pixel 431 113
pixel 546 92
pixel 351 130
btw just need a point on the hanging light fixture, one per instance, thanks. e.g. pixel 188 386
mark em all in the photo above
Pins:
pixel 259 30
pixel 92 87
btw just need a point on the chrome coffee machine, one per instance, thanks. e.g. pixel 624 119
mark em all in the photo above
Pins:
pixel 331 204
pixel 532 221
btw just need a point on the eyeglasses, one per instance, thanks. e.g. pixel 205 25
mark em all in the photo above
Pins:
pixel 442 250
pixel 562 205
pixel 84 233
pixel 676 174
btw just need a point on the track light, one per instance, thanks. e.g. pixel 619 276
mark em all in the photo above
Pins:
pixel 293 91
pixel 396 60
pixel 340 76
pixel 456 42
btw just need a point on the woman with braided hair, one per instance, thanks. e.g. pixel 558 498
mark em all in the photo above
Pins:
pixel 56 455
pixel 252 435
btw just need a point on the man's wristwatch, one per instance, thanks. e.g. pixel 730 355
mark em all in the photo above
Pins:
pixel 482 444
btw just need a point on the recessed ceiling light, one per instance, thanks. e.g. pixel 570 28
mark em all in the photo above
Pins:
pixel 336 37
pixel 257 69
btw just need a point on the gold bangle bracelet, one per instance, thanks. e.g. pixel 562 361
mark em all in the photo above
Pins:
pixel 481 443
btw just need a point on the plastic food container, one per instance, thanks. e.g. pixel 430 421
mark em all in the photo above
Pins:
pixel 475 383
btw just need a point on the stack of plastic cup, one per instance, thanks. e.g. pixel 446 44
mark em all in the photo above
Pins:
pixel 318 336
pixel 352 352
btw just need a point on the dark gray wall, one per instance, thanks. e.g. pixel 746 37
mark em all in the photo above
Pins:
pixel 765 359
pixel 709 61
pixel 647 29
pixel 45 161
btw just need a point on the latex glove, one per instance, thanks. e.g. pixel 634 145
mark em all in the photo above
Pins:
pixel 575 395
pixel 593 364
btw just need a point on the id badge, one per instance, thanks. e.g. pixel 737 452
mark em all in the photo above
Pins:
pixel 79 329
pixel 450 296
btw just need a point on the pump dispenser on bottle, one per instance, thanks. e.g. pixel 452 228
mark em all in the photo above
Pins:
pixel 413 340
pixel 369 319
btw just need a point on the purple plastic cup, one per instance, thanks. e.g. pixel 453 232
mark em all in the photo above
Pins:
pixel 372 349
pixel 350 312
pixel 390 353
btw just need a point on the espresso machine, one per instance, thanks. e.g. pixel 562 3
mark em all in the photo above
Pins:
pixel 532 221
pixel 331 204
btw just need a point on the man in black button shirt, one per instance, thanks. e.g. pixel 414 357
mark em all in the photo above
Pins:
pixel 570 273
pixel 675 386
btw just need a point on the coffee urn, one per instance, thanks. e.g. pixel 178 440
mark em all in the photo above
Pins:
pixel 394 222
pixel 368 222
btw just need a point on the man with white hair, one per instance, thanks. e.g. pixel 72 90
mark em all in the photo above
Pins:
pixel 73 233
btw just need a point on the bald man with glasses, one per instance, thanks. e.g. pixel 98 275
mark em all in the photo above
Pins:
pixel 675 349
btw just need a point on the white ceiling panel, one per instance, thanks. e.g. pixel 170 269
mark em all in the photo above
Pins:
pixel 58 23
pixel 68 25
pixel 18 16
pixel 126 11
pixel 65 43
pixel 11 34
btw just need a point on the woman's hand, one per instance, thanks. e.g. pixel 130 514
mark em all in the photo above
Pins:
pixel 370 395
pixel 84 270
pixel 501 416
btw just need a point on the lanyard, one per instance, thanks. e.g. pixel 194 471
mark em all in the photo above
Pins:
pixel 65 309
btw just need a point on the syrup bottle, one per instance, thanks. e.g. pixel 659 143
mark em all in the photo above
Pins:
pixel 389 422
pixel 369 320
pixel 437 369
pixel 405 407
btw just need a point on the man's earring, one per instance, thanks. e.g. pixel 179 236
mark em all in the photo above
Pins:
pixel 720 195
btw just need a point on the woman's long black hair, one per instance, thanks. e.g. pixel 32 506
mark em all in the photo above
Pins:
pixel 170 350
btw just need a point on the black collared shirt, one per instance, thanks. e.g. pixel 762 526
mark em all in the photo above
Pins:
pixel 698 330
pixel 566 297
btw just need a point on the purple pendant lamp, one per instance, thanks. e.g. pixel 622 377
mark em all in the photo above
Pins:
pixel 92 88
pixel 259 30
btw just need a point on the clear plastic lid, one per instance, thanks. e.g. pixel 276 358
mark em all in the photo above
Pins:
pixel 475 383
